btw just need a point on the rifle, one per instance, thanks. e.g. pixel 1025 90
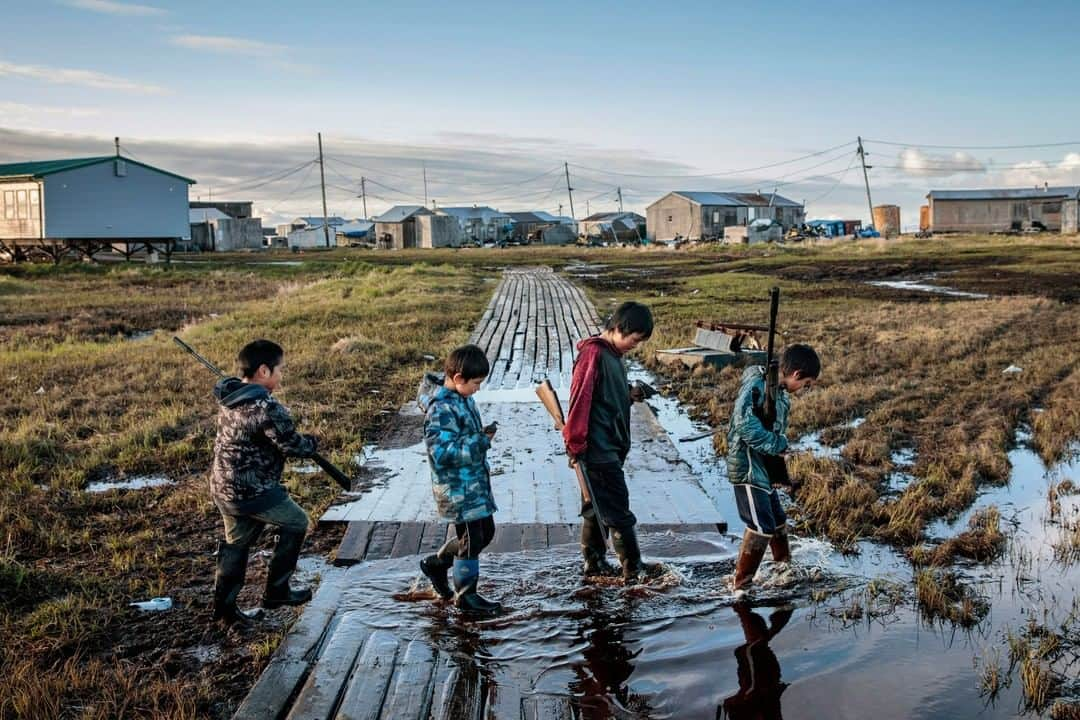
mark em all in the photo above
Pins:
pixel 775 465
pixel 338 476
pixel 550 399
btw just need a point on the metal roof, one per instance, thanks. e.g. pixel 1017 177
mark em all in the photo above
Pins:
pixel 1007 193
pixel 733 199
pixel 483 213
pixel 526 216
pixel 317 221
pixel 401 213
pixel 41 168
pixel 611 216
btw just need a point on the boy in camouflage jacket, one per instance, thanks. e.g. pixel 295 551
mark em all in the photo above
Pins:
pixel 457 445
pixel 255 435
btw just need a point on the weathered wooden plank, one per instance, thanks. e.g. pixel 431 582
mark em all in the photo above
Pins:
pixel 354 544
pixel 407 541
pixel 562 534
pixel 507 538
pixel 547 707
pixel 503 702
pixel 442 680
pixel 678 528
pixel 434 537
pixel 409 697
pixel 319 696
pixel 370 678
pixel 534 537
pixel 458 696
pixel 382 540
pixel 289 665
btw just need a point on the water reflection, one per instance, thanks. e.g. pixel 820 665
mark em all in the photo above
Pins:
pixel 606 664
pixel 760 684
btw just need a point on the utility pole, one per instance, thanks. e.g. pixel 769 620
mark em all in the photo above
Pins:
pixel 866 179
pixel 588 212
pixel 322 180
pixel 425 184
pixel 619 191
pixel 116 141
pixel 569 190
pixel 363 194
pixel 560 209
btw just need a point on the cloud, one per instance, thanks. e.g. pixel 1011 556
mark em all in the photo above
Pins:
pixel 224 44
pixel 913 161
pixel 73 76
pixel 1039 172
pixel 23 114
pixel 115 8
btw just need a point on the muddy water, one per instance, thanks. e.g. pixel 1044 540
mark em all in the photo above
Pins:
pixel 680 647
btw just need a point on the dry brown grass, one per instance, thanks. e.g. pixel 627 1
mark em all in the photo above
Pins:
pixel 942 596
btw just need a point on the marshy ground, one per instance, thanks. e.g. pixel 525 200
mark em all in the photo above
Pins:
pixel 934 470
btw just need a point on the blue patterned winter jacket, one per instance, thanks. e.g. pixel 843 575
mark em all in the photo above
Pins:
pixel 457 454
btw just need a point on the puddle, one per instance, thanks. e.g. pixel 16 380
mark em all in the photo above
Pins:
pixel 922 286
pixel 139 335
pixel 824 644
pixel 136 482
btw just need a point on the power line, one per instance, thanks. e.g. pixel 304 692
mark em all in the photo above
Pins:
pixel 255 183
pixel 835 185
pixel 724 173
pixel 975 147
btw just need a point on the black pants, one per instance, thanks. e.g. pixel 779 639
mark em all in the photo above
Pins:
pixel 610 494
pixel 474 536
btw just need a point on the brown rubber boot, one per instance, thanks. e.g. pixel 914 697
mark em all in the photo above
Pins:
pixel 750 553
pixel 781 551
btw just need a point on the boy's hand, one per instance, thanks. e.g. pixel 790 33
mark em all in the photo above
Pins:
pixel 491 429
pixel 641 391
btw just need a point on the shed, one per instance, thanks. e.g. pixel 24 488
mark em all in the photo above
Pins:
pixel 479 223
pixel 618 226
pixel 214 228
pixel 91 204
pixel 395 229
pixel 1005 210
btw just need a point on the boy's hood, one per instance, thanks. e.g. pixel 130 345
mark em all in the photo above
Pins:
pixel 430 385
pixel 232 392
pixel 753 374
pixel 597 340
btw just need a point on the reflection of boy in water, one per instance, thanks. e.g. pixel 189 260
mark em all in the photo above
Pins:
pixel 759 670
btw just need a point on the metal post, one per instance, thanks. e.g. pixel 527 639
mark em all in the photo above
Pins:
pixel 569 190
pixel 363 195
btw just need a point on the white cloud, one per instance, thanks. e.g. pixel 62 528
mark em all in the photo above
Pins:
pixel 1038 172
pixel 109 7
pixel 29 115
pixel 73 76
pixel 224 44
pixel 914 161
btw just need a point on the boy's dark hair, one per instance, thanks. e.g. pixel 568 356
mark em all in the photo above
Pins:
pixel 801 358
pixel 632 317
pixel 256 354
pixel 468 360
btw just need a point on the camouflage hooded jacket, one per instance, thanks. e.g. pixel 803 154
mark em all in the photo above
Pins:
pixel 255 435
pixel 457 454
pixel 747 438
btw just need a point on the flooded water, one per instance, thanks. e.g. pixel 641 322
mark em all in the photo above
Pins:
pixel 838 636
pixel 922 285
pixel 135 482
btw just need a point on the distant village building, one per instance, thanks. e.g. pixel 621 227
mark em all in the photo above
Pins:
pixel 308 231
pixel 542 227
pixel 613 226
pixel 224 226
pixel 694 215
pixel 479 223
pixel 396 228
pixel 91 204
pixel 305 222
pixel 1005 210
pixel 836 228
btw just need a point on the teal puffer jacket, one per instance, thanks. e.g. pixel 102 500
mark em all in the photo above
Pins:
pixel 457 454
pixel 747 438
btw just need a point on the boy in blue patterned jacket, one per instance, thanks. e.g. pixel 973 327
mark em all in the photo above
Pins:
pixel 457 445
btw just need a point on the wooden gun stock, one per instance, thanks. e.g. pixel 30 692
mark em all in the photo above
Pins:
pixel 550 400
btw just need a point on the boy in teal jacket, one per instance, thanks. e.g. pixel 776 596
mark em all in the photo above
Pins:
pixel 749 442
pixel 457 445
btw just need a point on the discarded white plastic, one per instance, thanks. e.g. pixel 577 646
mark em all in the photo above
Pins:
pixel 154 604
pixel 40 390
pixel 1012 370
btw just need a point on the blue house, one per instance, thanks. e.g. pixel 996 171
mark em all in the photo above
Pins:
pixel 91 204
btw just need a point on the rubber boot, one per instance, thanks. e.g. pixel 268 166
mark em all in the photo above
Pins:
pixel 232 563
pixel 625 542
pixel 781 551
pixel 282 565
pixel 750 553
pixel 466 599
pixel 435 567
pixel 594 549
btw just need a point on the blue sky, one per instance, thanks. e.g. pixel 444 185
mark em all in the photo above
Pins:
pixel 488 94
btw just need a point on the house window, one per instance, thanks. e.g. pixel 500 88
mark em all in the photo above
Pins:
pixel 669 218
pixel 1019 211
pixel 716 217
pixel 1051 207
pixel 730 218
pixel 9 204
pixel 21 203
pixel 35 202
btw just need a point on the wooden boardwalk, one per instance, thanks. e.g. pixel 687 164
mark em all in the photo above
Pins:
pixel 333 665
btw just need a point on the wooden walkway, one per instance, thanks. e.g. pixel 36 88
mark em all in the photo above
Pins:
pixel 331 664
